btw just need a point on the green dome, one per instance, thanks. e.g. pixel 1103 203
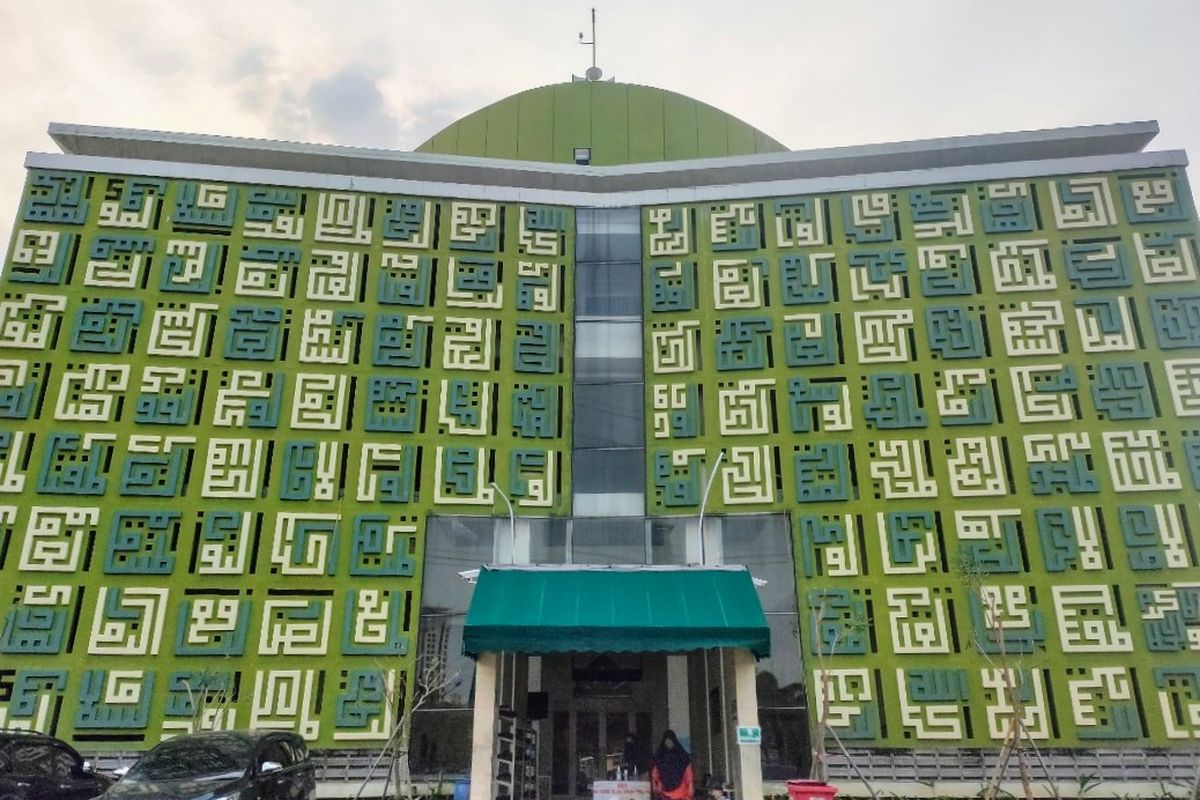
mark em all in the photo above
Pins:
pixel 621 123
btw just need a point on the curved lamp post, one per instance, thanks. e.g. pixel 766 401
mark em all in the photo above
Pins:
pixel 512 525
pixel 704 501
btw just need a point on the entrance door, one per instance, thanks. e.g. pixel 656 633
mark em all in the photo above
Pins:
pixel 588 745
pixel 595 702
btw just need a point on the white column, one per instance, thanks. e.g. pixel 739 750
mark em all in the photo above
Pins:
pixel 678 707
pixel 750 756
pixel 483 736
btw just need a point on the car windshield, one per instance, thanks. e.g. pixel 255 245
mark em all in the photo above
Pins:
pixel 193 758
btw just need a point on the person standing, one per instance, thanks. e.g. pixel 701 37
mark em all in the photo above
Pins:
pixel 671 774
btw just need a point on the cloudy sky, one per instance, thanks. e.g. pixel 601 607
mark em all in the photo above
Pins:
pixel 389 73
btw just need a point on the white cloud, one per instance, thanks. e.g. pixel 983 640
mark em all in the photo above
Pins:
pixel 387 73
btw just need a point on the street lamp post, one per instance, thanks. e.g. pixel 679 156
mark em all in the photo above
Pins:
pixel 512 525
pixel 704 501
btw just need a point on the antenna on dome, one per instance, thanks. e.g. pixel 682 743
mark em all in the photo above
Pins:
pixel 593 72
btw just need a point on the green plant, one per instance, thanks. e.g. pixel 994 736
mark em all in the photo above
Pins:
pixel 1170 789
pixel 821 730
pixel 1086 783
pixel 210 700
pixel 1017 736
pixel 428 680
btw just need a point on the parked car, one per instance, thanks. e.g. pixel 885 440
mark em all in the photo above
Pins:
pixel 34 766
pixel 229 765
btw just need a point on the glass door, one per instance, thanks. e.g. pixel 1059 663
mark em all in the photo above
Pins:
pixel 592 713
pixel 597 742
pixel 589 751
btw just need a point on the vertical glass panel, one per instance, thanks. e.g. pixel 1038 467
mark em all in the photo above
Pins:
pixel 441 642
pixel 589 758
pixel 592 247
pixel 608 290
pixel 560 766
pixel 668 541
pixel 607 370
pixel 453 544
pixel 781 675
pixel 609 415
pixel 609 541
pixel 616 727
pixel 785 750
pixel 608 234
pixel 763 543
pixel 548 541
pixel 608 352
pixel 608 340
pixel 609 471
pixel 643 729
pixel 608 220
pixel 618 504
pixel 715 719
pixel 441 742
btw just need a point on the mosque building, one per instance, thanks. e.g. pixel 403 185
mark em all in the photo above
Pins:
pixel 600 413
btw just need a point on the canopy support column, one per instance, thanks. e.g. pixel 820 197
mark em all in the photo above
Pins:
pixel 746 682
pixel 483 735
pixel 678 710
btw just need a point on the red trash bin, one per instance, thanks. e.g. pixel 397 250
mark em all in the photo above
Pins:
pixel 810 790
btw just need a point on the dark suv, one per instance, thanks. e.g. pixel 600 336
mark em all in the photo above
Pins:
pixel 34 766
pixel 229 765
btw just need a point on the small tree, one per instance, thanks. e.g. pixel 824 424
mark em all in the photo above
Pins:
pixel 211 701
pixel 821 729
pixel 429 679
pixel 1013 687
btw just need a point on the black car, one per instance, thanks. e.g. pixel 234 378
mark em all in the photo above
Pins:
pixel 34 766
pixel 230 765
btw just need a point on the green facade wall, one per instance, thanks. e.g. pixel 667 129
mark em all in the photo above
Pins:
pixel 226 412
pixel 979 405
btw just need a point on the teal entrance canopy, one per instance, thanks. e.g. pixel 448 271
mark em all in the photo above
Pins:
pixel 540 610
